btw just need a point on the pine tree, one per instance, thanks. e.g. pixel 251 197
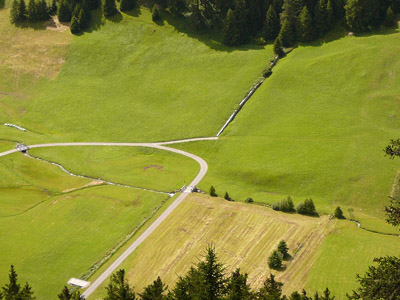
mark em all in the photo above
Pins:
pixel 321 18
pixel 127 5
pixel 93 4
pixel 14 13
pixel 64 12
pixel 271 25
pixel 109 8
pixel 275 260
pixel 118 288
pixel 327 295
pixel 237 287
pixel 329 14
pixel 278 49
pixel 176 7
pixel 12 289
pixel 31 13
pixel 155 16
pixel 231 32
pixel 283 249
pixel 212 276
pixel 304 26
pixel 42 10
pixel 241 21
pixel 339 213
pixel 84 18
pixel 26 293
pixel 226 196
pixel 154 291
pixel 286 35
pixel 271 290
pixel 22 11
pixel 53 9
pixel 212 192
pixel 65 294
pixel 75 25
pixel 390 19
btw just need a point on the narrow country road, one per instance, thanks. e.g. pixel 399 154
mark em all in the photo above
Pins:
pixel 203 170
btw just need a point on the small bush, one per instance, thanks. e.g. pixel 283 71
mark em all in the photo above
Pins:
pixel 267 72
pixel 212 192
pixel 285 205
pixel 339 213
pixel 249 200
pixel 307 208
pixel 275 260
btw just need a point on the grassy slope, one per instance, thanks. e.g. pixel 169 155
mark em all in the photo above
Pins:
pixel 347 252
pixel 133 80
pixel 316 129
pixel 244 236
pixel 53 228
pixel 141 167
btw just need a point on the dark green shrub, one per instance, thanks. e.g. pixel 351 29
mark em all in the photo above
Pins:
pixel 339 213
pixel 212 192
pixel 307 208
pixel 249 200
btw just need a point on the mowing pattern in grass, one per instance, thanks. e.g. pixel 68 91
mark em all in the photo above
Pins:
pixel 316 129
pixel 345 253
pixel 55 226
pixel 244 236
pixel 134 80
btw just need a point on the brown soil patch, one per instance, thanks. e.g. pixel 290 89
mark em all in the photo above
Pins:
pixel 159 168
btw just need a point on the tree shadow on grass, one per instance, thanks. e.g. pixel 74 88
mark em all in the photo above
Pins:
pixel 96 20
pixel 211 38
pixel 134 12
pixel 117 18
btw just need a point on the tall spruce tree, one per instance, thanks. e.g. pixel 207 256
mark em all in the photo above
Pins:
pixel 321 18
pixel 31 12
pixel 231 30
pixel 75 25
pixel 176 7
pixel 271 290
pixel 14 13
pixel 154 291
pixel 304 26
pixel 237 287
pixel 42 10
pixel 286 34
pixel 118 288
pixel 278 48
pixel 64 11
pixel 330 14
pixel 241 16
pixel 271 25
pixel 275 260
pixel 390 19
pixel 109 8
pixel 127 5
pixel 13 291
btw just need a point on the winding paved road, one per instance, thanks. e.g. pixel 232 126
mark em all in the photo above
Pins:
pixel 203 170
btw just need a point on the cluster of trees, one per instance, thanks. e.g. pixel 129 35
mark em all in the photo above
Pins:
pixel 37 10
pixel 110 6
pixel 281 253
pixel 305 208
pixel 77 12
pixel 13 290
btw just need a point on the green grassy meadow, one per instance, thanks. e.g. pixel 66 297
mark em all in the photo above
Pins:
pixel 55 226
pixel 317 128
pixel 141 167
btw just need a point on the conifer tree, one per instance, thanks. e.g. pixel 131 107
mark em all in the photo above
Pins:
pixel 14 13
pixel 75 25
pixel 67 295
pixel 283 249
pixel 12 289
pixel 118 288
pixel 329 14
pixel 212 192
pixel 241 21
pixel 271 25
pixel 22 11
pixel 84 19
pixel 109 8
pixel 271 290
pixel 231 32
pixel 42 10
pixel 286 35
pixel 390 19
pixel 226 196
pixel 278 49
pixel 31 13
pixel 176 7
pixel 92 4
pixel 53 9
pixel 155 16
pixel 304 26
pixel 321 18
pixel 237 287
pixel 154 291
pixel 127 5
pixel 339 213
pixel 275 260
pixel 64 12
pixel 327 295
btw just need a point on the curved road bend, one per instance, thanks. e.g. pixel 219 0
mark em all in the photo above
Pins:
pixel 161 218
